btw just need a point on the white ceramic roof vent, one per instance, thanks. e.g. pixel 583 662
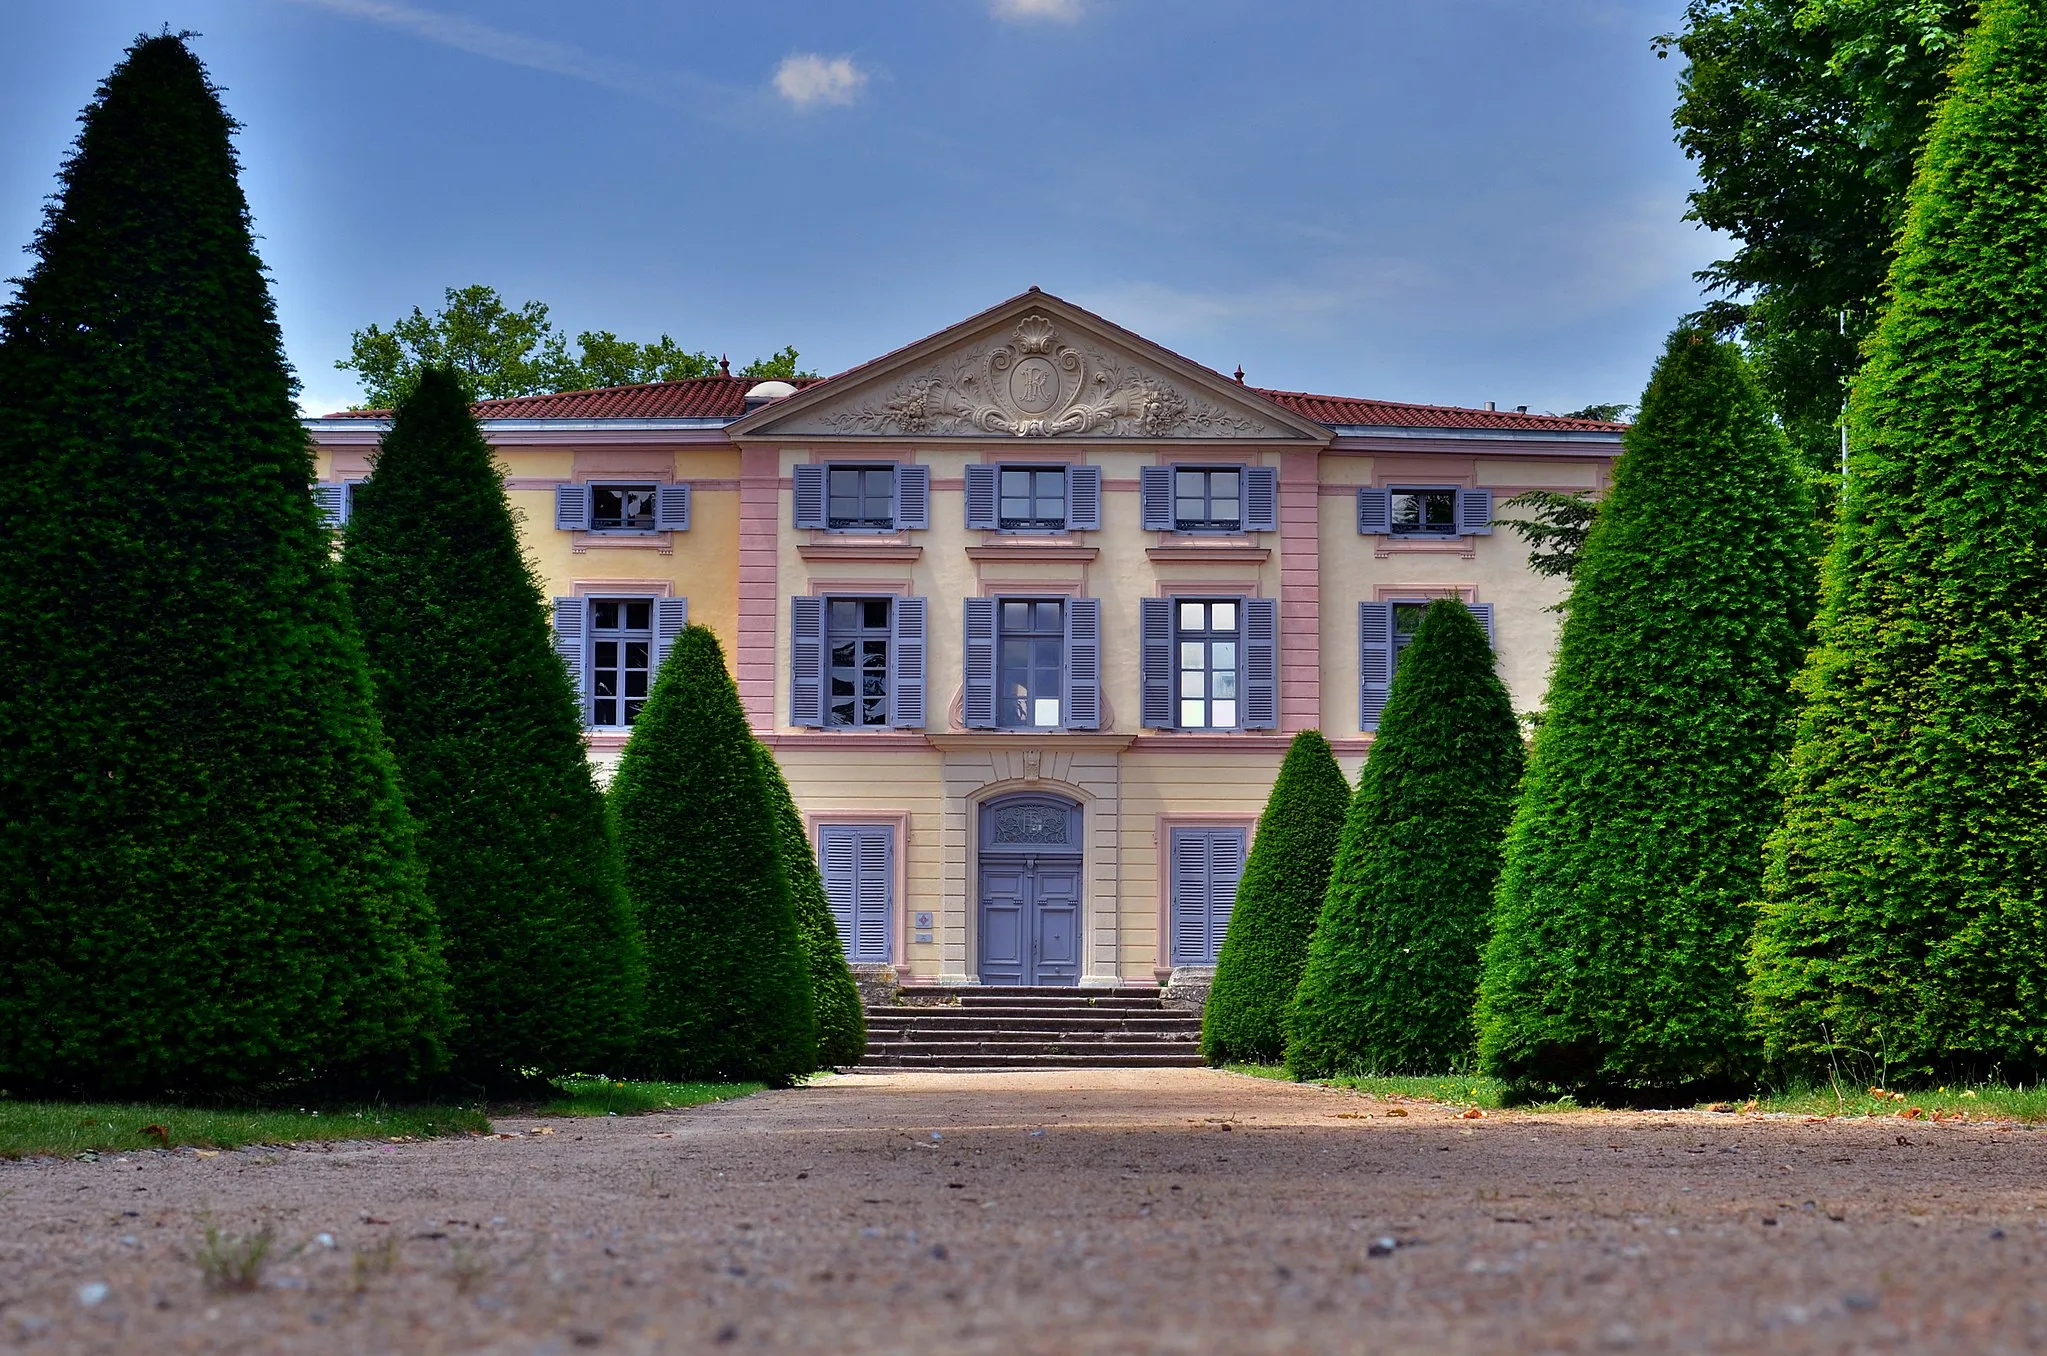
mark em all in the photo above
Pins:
pixel 766 392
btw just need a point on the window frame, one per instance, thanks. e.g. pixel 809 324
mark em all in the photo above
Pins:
pixel 1209 524
pixel 622 636
pixel 866 634
pixel 864 525
pixel 1036 525
pixel 653 489
pixel 1056 635
pixel 1208 636
pixel 1456 507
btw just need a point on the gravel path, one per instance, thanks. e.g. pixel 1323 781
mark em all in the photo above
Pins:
pixel 1114 1211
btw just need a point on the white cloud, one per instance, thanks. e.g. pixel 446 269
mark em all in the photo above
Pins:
pixel 807 80
pixel 1056 11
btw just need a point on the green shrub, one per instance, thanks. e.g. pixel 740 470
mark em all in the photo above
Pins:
pixel 1905 916
pixel 1394 964
pixel 1636 852
pixel 207 877
pixel 543 953
pixel 728 982
pixel 1259 963
pixel 834 997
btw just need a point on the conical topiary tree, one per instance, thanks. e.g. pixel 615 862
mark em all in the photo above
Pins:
pixel 206 870
pixel 543 953
pixel 1394 965
pixel 1636 852
pixel 728 982
pixel 1259 963
pixel 834 997
pixel 1904 927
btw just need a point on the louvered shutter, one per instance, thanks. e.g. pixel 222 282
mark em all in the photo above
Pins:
pixel 1375 512
pixel 1084 499
pixel 1155 497
pixel 875 908
pixel 570 615
pixel 806 661
pixel 981 497
pixel 1261 663
pixel 1189 887
pixel 1375 661
pixel 913 498
pixel 908 643
pixel 1225 870
pixel 807 500
pixel 1261 499
pixel 838 856
pixel 1155 627
pixel 1083 663
pixel 1484 613
pixel 977 685
pixel 330 499
pixel 1475 513
pixel 671 508
pixel 572 508
pixel 671 615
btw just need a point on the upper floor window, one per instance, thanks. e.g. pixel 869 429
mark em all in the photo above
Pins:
pixel 857 663
pixel 622 508
pixel 861 496
pixel 1032 664
pixel 1207 654
pixel 1424 513
pixel 1031 675
pixel 1208 501
pixel 1034 498
pixel 851 497
pixel 1210 663
pixel 1385 629
pixel 857 676
pixel 1209 498
pixel 613 648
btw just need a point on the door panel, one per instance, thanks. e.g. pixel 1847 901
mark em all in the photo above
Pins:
pixel 1056 925
pixel 1005 937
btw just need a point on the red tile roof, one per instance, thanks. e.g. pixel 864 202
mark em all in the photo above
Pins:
pixel 725 398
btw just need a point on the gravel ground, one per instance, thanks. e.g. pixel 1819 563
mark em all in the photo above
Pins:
pixel 1112 1211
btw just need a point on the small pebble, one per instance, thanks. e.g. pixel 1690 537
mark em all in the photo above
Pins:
pixel 1997 1233
pixel 131 1241
pixel 1382 1247
pixel 91 1293
pixel 1858 1302
pixel 324 1240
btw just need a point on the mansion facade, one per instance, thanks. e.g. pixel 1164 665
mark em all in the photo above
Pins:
pixel 1028 610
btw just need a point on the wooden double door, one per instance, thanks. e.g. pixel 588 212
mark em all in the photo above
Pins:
pixel 1030 919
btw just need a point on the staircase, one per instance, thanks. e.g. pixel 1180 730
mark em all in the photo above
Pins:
pixel 997 1027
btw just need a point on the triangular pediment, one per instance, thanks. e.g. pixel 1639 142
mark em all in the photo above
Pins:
pixel 1033 367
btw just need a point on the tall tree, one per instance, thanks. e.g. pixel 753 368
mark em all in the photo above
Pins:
pixel 1394 965
pixel 207 877
pixel 1906 911
pixel 834 997
pixel 1634 858
pixel 728 983
pixel 1265 947
pixel 543 952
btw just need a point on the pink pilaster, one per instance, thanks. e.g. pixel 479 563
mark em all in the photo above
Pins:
pixel 760 513
pixel 1300 608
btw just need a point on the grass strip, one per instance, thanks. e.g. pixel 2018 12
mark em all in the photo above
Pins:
pixel 1990 1101
pixel 606 1097
pixel 65 1129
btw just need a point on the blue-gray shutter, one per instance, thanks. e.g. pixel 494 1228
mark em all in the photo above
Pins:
pixel 570 615
pixel 1083 663
pixel 1375 661
pixel 909 638
pixel 1155 629
pixel 1206 865
pixel 1261 664
pixel 1225 870
pixel 913 498
pixel 977 679
pixel 858 865
pixel 1084 499
pixel 1484 613
pixel 1155 497
pixel 1475 513
pixel 981 497
pixel 330 499
pixel 806 661
pixel 807 500
pixel 572 508
pixel 671 507
pixel 1375 512
pixel 1261 499
pixel 671 615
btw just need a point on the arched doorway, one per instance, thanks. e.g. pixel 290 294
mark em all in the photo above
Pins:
pixel 1030 891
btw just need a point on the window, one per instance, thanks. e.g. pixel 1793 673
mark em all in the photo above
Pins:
pixel 1207 648
pixel 1033 498
pixel 1208 501
pixel 857 678
pixel 1430 513
pixel 621 658
pixel 622 508
pixel 861 497
pixel 1384 630
pixel 858 865
pixel 1205 866
pixel 1031 674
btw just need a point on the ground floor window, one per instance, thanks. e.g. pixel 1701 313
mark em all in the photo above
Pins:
pixel 621 658
pixel 1205 865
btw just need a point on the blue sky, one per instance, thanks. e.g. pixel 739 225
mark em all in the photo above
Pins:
pixel 1449 201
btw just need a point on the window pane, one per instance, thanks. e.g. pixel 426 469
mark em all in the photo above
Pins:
pixel 875 613
pixel 1193 683
pixel 607 682
pixel 606 653
pixel 1016 484
pixel 632 710
pixel 842 614
pixel 1193 654
pixel 607 713
pixel 1191 715
pixel 1225 715
pixel 1016 617
pixel 1222 617
pixel 1193 617
pixel 1190 484
pixel 1046 711
pixel 1407 511
pixel 1225 684
pixel 1048 618
pixel 845 480
pixel 635 683
pixel 604 615
pixel 638 616
pixel 1222 654
pixel 1407 617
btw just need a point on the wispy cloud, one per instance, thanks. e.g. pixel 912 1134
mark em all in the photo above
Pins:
pixel 806 80
pixel 1053 11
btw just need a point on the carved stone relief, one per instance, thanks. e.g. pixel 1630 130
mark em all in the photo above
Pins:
pixel 1036 385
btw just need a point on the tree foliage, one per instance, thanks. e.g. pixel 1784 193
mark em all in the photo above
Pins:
pixel 207 878
pixel 728 980
pixel 1635 853
pixel 841 1024
pixel 1266 945
pixel 1395 959
pixel 500 351
pixel 1906 901
pixel 1554 531
pixel 543 953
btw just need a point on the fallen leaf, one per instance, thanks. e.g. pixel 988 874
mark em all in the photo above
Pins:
pixel 1720 1108
pixel 1396 1111
pixel 207 1153
pixel 541 1130
pixel 1913 1113
pixel 1471 1114
pixel 156 1132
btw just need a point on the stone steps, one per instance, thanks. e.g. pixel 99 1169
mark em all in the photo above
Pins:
pixel 1008 1027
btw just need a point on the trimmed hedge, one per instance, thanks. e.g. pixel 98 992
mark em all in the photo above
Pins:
pixel 1636 853
pixel 1905 917
pixel 207 879
pixel 1265 947
pixel 1394 965
pixel 543 952
pixel 834 997
pixel 728 979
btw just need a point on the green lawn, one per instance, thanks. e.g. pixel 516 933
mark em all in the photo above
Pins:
pixel 603 1096
pixel 67 1128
